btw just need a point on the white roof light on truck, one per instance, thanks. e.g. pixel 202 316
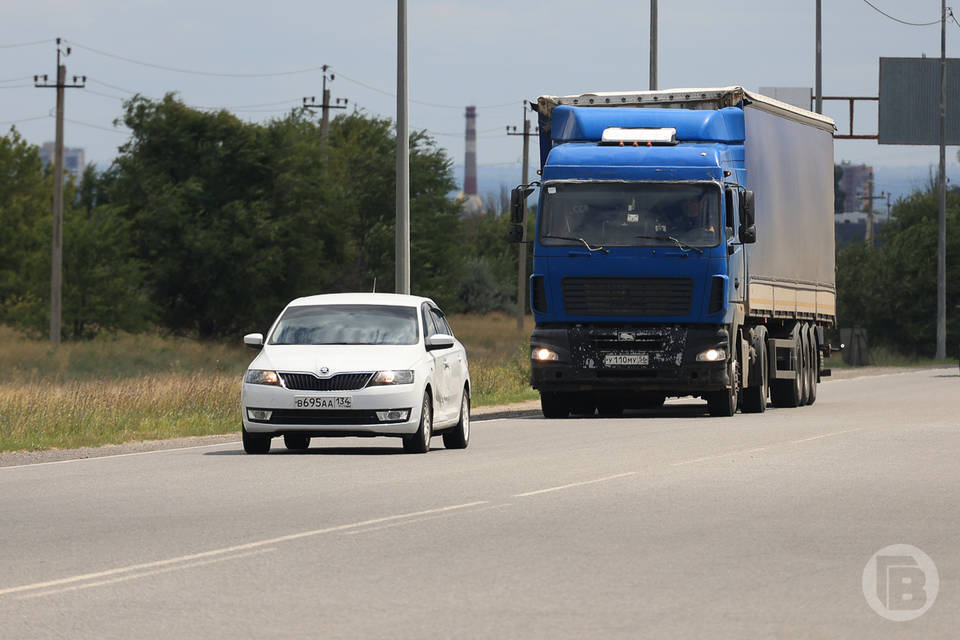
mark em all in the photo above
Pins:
pixel 645 135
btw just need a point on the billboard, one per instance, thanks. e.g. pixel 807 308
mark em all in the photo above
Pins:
pixel 909 111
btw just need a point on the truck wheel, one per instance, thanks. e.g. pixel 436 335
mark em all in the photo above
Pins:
pixel 814 360
pixel 804 358
pixel 723 403
pixel 755 396
pixel 581 404
pixel 650 400
pixel 787 393
pixel 554 405
pixel 609 407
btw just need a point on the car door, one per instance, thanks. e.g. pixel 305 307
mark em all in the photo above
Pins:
pixel 445 372
pixel 458 363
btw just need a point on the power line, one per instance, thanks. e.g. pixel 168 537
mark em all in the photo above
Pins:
pixel 421 102
pixel 912 24
pixel 952 17
pixel 193 71
pixel 96 126
pixel 17 86
pixel 24 44
pixel 15 79
pixel 43 117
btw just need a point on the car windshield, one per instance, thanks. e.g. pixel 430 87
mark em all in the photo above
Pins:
pixel 346 324
pixel 621 214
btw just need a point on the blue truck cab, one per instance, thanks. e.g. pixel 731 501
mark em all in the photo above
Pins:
pixel 640 282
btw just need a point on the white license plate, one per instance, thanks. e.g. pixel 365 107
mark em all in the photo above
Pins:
pixel 323 402
pixel 626 359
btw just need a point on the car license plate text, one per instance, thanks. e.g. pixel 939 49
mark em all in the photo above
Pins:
pixel 321 402
pixel 625 359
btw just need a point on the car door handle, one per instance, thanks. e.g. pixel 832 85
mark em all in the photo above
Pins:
pixel 446 365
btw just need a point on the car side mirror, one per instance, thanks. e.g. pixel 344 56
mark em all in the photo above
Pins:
pixel 438 341
pixel 253 340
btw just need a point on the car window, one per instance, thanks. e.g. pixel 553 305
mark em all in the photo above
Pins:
pixel 346 324
pixel 438 322
pixel 428 328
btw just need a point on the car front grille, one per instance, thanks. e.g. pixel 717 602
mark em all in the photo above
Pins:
pixel 627 296
pixel 339 382
pixel 323 417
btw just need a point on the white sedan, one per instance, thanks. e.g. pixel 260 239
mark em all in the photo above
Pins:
pixel 357 364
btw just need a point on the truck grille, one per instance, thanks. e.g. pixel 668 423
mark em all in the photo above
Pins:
pixel 339 382
pixel 627 296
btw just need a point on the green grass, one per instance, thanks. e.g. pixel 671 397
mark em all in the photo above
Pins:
pixel 121 388
pixel 882 356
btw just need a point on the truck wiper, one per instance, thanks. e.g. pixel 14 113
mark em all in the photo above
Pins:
pixel 682 246
pixel 585 243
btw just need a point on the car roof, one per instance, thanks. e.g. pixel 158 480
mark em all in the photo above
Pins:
pixel 387 299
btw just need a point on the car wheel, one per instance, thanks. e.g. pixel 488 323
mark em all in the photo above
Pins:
pixel 554 405
pixel 419 442
pixel 459 436
pixel 255 443
pixel 296 441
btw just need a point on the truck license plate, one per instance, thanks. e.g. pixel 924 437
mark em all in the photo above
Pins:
pixel 626 359
pixel 318 402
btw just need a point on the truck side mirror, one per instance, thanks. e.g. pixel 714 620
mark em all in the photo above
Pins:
pixel 518 208
pixel 748 235
pixel 747 209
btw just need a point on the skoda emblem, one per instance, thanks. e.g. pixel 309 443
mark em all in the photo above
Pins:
pixel 324 370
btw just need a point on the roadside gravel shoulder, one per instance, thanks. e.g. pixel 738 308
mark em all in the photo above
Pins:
pixel 19 458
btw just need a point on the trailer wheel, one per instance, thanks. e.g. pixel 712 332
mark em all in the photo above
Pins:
pixel 554 405
pixel 755 396
pixel 787 393
pixel 814 360
pixel 803 357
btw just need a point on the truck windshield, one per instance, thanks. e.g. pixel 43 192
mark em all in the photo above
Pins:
pixel 621 214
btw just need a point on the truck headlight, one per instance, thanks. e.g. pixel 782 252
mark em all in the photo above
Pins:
pixel 712 355
pixel 543 354
pixel 391 376
pixel 257 376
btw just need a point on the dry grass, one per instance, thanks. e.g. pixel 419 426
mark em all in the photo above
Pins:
pixel 122 388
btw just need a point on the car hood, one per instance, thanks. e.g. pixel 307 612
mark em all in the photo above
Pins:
pixel 337 358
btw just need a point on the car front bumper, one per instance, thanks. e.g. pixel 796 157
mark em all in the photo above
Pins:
pixel 359 420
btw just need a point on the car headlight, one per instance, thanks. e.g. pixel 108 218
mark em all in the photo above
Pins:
pixel 392 376
pixel 712 355
pixel 542 354
pixel 258 376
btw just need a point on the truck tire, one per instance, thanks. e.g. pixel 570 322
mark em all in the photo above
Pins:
pixel 805 365
pixel 787 393
pixel 650 400
pixel 814 360
pixel 554 405
pixel 723 403
pixel 755 396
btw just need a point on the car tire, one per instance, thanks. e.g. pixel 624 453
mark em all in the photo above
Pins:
pixel 296 441
pixel 255 443
pixel 419 442
pixel 459 436
pixel 554 405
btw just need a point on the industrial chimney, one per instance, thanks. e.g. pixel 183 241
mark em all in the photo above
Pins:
pixel 470 159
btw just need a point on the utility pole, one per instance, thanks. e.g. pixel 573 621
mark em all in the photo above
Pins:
pixel 819 65
pixel 522 246
pixel 653 46
pixel 869 235
pixel 403 157
pixel 325 106
pixel 56 253
pixel 942 188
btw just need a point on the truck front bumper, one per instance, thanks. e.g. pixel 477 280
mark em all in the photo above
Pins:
pixel 670 354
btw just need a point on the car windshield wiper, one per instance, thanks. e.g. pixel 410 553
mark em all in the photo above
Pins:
pixel 683 246
pixel 585 243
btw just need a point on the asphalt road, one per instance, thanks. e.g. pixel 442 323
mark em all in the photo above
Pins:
pixel 670 525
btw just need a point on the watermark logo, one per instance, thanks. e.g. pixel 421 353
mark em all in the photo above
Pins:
pixel 900 582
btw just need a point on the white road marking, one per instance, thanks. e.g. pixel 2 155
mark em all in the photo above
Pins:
pixel 233 549
pixel 445 515
pixel 145 574
pixel 720 455
pixel 828 435
pixel 574 484
pixel 118 455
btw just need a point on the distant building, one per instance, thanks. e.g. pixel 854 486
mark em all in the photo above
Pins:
pixel 855 184
pixel 472 202
pixel 73 159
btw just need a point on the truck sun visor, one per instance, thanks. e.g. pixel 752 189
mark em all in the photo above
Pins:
pixel 641 135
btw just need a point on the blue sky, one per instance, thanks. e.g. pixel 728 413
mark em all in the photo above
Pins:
pixel 490 53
